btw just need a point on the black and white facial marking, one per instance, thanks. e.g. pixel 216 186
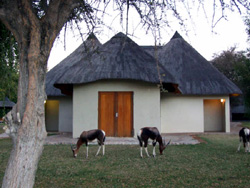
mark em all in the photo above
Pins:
pixel 150 133
pixel 244 135
pixel 88 136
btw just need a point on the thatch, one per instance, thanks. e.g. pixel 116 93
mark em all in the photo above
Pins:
pixel 194 74
pixel 152 50
pixel 6 103
pixel 119 58
pixel 91 44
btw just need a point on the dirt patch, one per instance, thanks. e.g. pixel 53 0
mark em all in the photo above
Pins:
pixel 199 139
pixel 235 127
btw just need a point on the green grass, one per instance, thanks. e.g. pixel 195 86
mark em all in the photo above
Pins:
pixel 1 128
pixel 246 124
pixel 212 164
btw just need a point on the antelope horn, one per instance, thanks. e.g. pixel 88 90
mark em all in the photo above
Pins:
pixel 72 147
pixel 167 143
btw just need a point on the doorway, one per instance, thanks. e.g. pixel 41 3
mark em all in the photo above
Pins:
pixel 115 113
pixel 52 115
pixel 214 115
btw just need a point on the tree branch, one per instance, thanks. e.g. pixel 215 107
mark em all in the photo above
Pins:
pixel 58 12
pixel 12 119
pixel 11 17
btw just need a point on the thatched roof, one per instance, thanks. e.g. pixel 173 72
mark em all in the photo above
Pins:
pixel 119 58
pixel 194 74
pixel 152 49
pixel 91 44
pixel 6 103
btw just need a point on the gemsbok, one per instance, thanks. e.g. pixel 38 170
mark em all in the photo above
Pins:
pixel 151 132
pixel 88 136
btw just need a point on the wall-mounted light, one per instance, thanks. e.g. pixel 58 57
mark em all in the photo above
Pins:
pixel 44 101
pixel 222 100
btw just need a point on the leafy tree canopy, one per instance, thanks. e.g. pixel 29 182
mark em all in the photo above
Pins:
pixel 8 64
pixel 242 70
pixel 236 66
pixel 226 62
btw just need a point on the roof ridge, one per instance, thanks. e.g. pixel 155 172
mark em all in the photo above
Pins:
pixel 176 36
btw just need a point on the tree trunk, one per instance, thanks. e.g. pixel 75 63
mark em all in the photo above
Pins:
pixel 23 160
pixel 26 120
pixel 35 34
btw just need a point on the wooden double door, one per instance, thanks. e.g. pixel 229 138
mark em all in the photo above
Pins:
pixel 115 111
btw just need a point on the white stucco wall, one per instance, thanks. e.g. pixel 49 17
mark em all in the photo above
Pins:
pixel 180 114
pixel 65 114
pixel 146 104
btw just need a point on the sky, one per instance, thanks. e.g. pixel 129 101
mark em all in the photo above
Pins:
pixel 207 41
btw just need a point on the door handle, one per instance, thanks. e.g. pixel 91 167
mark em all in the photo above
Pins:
pixel 116 114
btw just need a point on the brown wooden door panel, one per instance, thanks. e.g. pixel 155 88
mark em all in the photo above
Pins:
pixel 116 113
pixel 106 112
pixel 124 122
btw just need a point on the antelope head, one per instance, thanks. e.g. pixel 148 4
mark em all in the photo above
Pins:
pixel 73 148
pixel 163 146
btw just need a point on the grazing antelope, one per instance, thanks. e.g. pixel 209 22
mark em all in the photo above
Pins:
pixel 151 132
pixel 244 135
pixel 88 136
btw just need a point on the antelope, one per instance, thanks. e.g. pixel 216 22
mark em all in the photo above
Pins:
pixel 88 136
pixel 244 135
pixel 151 132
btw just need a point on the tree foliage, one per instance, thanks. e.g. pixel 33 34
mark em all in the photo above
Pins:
pixel 242 70
pixel 8 64
pixel 8 67
pixel 235 66
pixel 226 63
pixel 247 23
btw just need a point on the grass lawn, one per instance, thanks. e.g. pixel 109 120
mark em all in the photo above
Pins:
pixel 1 128
pixel 212 164
pixel 246 124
